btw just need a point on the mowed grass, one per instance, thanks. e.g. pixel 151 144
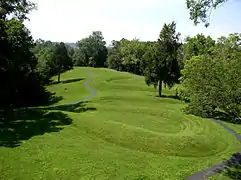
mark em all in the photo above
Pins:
pixel 124 132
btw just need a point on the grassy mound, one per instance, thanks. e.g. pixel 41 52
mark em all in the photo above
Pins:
pixel 124 132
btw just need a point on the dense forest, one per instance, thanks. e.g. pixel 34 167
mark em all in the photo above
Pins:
pixel 207 71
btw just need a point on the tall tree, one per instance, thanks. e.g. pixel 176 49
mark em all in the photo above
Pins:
pixel 200 10
pixel 162 61
pixel 19 81
pixel 61 59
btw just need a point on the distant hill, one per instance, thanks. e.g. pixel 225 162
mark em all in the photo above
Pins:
pixel 71 45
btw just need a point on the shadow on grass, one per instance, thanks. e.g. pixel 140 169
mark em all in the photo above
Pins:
pixel 50 98
pixel 231 167
pixel 67 81
pixel 169 96
pixel 234 173
pixel 72 80
pixel 20 125
pixel 225 117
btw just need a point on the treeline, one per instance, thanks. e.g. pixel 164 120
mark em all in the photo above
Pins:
pixel 207 71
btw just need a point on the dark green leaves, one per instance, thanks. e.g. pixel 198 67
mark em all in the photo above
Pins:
pixel 17 8
pixel 213 81
pixel 162 58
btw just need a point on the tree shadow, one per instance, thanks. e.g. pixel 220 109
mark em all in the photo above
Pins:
pixel 20 125
pixel 231 167
pixel 218 115
pixel 50 98
pixel 72 80
pixel 234 173
pixel 67 81
pixel 74 107
pixel 168 96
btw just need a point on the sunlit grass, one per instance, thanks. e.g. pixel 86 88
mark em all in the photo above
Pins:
pixel 129 134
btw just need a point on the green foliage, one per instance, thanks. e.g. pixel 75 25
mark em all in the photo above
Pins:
pixel 17 8
pixel 45 66
pixel 162 59
pixel 127 55
pixel 132 52
pixel 213 84
pixel 52 58
pixel 229 47
pixel 114 59
pixel 20 83
pixel 182 93
pixel 91 51
pixel 200 10
pixel 61 60
pixel 198 45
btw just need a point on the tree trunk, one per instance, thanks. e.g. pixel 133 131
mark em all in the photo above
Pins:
pixel 58 77
pixel 160 88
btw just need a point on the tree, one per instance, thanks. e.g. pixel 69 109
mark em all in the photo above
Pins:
pixel 127 55
pixel 213 81
pixel 45 66
pixel 20 84
pixel 91 51
pixel 114 59
pixel 17 8
pixel 200 10
pixel 229 47
pixel 61 59
pixel 198 45
pixel 162 62
pixel 131 53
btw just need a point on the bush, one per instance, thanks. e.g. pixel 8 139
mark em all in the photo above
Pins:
pixel 182 93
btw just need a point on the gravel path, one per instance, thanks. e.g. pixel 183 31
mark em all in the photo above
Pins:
pixel 93 93
pixel 55 107
pixel 218 168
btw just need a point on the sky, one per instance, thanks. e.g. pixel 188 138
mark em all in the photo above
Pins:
pixel 72 20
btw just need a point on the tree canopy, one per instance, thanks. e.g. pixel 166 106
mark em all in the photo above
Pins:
pixel 20 83
pixel 17 8
pixel 91 51
pixel 212 81
pixel 61 59
pixel 200 10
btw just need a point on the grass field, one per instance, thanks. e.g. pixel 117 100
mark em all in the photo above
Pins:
pixel 124 132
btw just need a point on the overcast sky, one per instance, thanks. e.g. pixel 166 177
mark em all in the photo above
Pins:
pixel 72 20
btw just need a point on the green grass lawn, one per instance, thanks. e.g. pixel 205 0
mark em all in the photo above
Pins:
pixel 124 132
